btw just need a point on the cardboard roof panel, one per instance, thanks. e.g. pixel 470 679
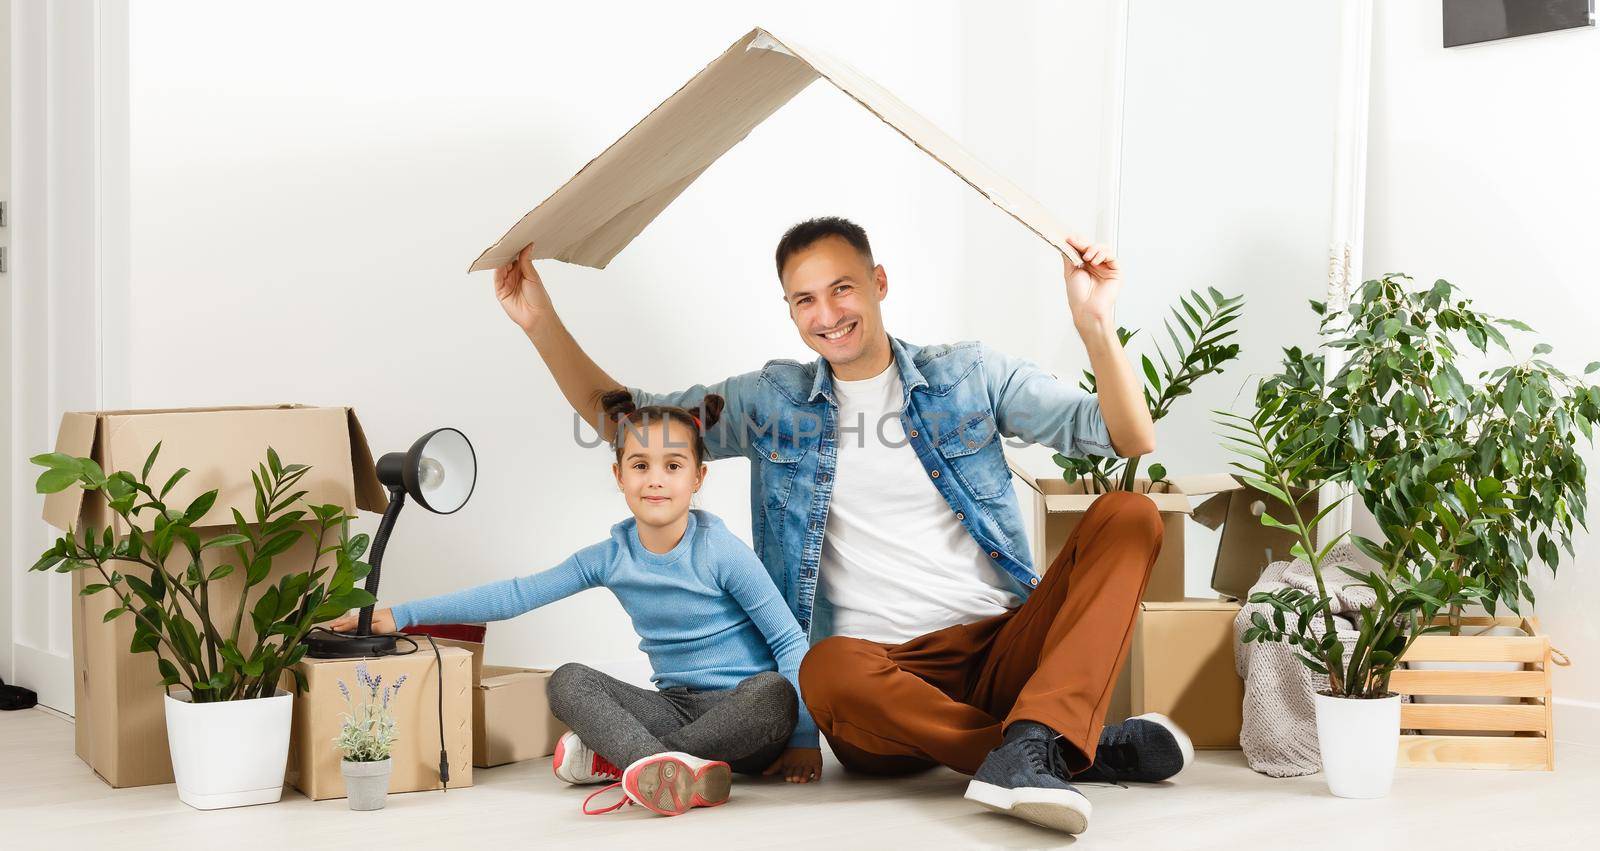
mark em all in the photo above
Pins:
pixel 593 216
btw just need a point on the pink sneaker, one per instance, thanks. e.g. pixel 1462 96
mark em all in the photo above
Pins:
pixel 673 783
pixel 575 763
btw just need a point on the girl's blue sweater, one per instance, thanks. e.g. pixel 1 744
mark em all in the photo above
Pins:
pixel 707 613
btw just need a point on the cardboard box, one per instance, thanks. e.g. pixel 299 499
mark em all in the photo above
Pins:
pixel 511 717
pixel 120 728
pixel 318 714
pixel 1058 505
pixel 612 199
pixel 1247 547
pixel 1181 665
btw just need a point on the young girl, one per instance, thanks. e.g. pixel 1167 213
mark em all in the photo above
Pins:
pixel 724 647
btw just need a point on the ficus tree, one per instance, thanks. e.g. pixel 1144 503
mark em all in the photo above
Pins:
pixel 157 576
pixel 1479 475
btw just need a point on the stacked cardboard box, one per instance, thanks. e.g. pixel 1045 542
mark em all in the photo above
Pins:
pixel 314 762
pixel 511 716
pixel 120 728
pixel 1181 665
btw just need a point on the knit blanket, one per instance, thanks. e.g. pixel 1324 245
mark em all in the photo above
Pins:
pixel 1279 734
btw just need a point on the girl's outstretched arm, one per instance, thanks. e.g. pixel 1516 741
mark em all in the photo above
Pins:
pixel 508 598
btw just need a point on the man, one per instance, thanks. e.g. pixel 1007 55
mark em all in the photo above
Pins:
pixel 883 508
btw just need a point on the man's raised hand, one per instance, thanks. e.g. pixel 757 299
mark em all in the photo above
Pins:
pixel 1092 288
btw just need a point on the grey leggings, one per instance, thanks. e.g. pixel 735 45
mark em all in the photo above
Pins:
pixel 747 726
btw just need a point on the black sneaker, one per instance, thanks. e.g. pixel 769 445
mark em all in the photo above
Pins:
pixel 1026 778
pixel 1147 748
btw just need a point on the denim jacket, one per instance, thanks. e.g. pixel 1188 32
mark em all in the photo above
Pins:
pixel 958 398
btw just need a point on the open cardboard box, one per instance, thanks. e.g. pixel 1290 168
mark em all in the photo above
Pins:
pixel 1059 505
pixel 511 716
pixel 593 216
pixel 1245 549
pixel 120 728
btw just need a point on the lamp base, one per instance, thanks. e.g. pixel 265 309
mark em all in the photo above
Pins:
pixel 327 644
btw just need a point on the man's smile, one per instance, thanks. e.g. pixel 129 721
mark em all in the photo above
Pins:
pixel 840 333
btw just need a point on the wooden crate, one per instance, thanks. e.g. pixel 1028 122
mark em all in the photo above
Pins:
pixel 1530 746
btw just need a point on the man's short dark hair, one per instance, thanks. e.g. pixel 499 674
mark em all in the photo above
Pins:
pixel 808 232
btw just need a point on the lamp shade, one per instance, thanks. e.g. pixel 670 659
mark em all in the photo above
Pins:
pixel 439 471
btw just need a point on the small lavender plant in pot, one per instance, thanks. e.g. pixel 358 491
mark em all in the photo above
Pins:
pixel 366 739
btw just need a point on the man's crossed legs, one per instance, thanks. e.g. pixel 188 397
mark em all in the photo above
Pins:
pixel 990 698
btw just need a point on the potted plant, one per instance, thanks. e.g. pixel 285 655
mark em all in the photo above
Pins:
pixel 1481 475
pixel 1425 447
pixel 227 718
pixel 366 739
pixel 1205 325
pixel 1358 716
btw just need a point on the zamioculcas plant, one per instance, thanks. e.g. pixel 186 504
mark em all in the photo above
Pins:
pixel 1281 457
pixel 1205 325
pixel 171 606
pixel 1479 475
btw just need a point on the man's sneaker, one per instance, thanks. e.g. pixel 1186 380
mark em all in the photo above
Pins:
pixel 673 783
pixel 575 763
pixel 1026 777
pixel 1144 749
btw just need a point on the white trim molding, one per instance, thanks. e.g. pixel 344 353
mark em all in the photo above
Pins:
pixel 69 222
pixel 1348 228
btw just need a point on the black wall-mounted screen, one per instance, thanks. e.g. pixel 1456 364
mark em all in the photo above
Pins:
pixel 1477 21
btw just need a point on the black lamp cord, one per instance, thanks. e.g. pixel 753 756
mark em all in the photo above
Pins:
pixel 438 665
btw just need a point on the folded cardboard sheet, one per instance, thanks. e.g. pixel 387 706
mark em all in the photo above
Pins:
pixel 592 217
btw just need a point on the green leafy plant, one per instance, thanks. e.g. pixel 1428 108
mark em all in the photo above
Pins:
pixel 1481 476
pixel 1205 325
pixel 368 731
pixel 171 606
pixel 1281 457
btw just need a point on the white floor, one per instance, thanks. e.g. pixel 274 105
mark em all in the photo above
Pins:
pixel 49 799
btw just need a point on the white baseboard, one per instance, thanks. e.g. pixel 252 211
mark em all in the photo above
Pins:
pixel 49 676
pixel 1577 722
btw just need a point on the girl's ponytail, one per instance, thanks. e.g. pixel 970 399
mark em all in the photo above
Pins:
pixel 618 408
pixel 617 405
pixel 709 412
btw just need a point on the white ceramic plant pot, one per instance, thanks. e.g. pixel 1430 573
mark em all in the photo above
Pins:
pixel 366 784
pixel 229 754
pixel 1360 741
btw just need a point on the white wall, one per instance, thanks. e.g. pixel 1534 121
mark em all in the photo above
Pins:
pixel 309 184
pixel 1227 181
pixel 1483 172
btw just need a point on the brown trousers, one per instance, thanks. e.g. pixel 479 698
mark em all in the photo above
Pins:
pixel 946 697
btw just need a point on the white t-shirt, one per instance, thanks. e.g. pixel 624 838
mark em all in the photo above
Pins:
pixel 896 563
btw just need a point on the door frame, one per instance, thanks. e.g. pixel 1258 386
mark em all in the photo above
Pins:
pixel 68 262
